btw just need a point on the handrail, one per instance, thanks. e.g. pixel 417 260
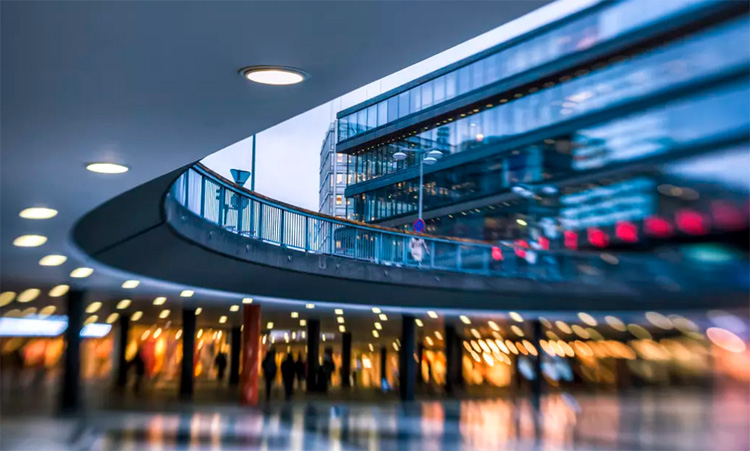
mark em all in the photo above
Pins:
pixel 254 216
pixel 238 210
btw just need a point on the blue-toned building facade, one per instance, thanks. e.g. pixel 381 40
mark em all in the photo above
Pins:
pixel 622 124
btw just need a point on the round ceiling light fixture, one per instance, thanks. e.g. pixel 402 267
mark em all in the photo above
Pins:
pixel 107 168
pixel 274 75
pixel 38 213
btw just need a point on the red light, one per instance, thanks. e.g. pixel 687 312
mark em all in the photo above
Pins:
pixel 726 216
pixel 598 238
pixel 626 231
pixel 570 239
pixel 657 227
pixel 497 254
pixel 522 244
pixel 544 243
pixel 691 222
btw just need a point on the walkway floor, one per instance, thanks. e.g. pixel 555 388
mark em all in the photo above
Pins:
pixel 667 419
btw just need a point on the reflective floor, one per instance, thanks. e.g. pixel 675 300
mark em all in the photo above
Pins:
pixel 648 420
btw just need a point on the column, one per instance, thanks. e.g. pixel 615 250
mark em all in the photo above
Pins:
pixel 536 384
pixel 122 345
pixel 234 358
pixel 313 343
pixel 453 359
pixel 250 354
pixel 407 373
pixel 346 359
pixel 188 353
pixel 71 388
pixel 383 363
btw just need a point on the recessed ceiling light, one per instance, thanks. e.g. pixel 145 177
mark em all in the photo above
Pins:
pixel 339 311
pixel 223 319
pixel 90 320
pixel 47 311
pixel 58 291
pixel 112 318
pixel 187 293
pixel 295 314
pixel 28 295
pixel 80 273
pixel 273 75
pixel 234 308
pixel 164 313
pixel 198 311
pixel 247 300
pixel 38 213
pixel 136 316
pixel 107 168
pixel 125 303
pixel 29 240
pixel 130 284
pixel 53 260
pixel 94 307
pixel 7 297
pixel 160 300
pixel 303 322
pixel 269 325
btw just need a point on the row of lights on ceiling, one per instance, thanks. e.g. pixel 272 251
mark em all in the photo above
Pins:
pixel 271 75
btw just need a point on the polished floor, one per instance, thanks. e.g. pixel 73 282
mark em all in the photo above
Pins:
pixel 670 419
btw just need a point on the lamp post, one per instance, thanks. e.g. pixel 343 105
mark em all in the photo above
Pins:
pixel 426 156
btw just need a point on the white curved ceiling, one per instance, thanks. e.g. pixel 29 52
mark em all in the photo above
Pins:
pixel 154 85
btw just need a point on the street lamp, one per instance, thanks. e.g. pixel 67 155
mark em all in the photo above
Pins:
pixel 426 157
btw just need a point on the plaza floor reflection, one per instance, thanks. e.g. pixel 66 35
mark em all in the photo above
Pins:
pixel 669 419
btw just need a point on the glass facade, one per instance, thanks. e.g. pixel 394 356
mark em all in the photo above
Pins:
pixel 700 119
pixel 689 60
pixel 606 24
pixel 333 177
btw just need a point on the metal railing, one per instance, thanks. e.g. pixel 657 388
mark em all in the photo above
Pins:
pixel 254 216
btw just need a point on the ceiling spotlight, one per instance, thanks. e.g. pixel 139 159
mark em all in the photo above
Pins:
pixel 234 308
pixel 81 273
pixel 340 319
pixel 29 240
pixel 295 314
pixel 303 322
pixel 187 293
pixel 375 310
pixel 198 311
pixel 94 307
pixel 383 317
pixel 465 319
pixel 58 291
pixel 7 297
pixel 310 306
pixel 269 325
pixel 432 314
pixel 164 313
pixel 53 260
pixel 38 213
pixel 112 318
pixel 273 75
pixel 125 303
pixel 342 328
pixel 160 300
pixel 418 322
pixel 28 295
pixel 128 284
pixel 339 311
pixel 107 168
pixel 247 300
pixel 136 316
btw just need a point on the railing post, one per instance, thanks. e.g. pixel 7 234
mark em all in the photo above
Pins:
pixel 281 232
pixel 307 233
pixel 187 176
pixel 432 254
pixel 330 236
pixel 203 196
pixel 403 250
pixel 240 209
pixel 486 260
pixel 222 191
pixel 260 220
pixel 458 256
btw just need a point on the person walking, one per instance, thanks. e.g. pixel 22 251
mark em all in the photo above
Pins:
pixel 269 371
pixel 299 369
pixel 140 371
pixel 221 365
pixel 287 375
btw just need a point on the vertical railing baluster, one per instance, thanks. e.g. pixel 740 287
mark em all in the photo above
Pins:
pixel 222 191
pixel 281 233
pixel 203 196
pixel 458 257
pixel 260 220
pixel 307 233
pixel 432 254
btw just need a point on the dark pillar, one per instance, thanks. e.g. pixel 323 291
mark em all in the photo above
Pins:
pixel 71 389
pixel 313 343
pixel 234 358
pixel 250 355
pixel 188 353
pixel 536 384
pixel 407 366
pixel 383 363
pixel 346 359
pixel 122 363
pixel 453 360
